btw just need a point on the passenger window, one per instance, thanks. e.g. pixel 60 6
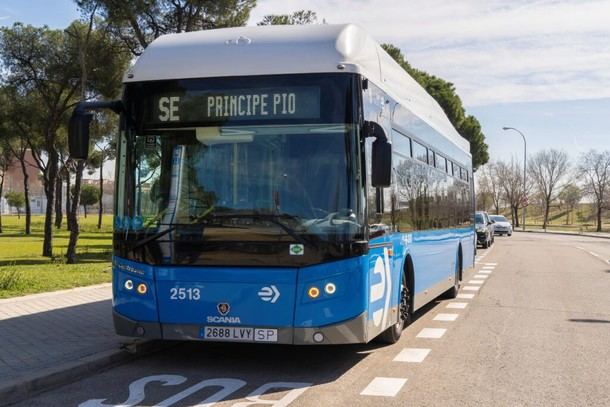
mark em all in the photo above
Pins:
pixel 420 152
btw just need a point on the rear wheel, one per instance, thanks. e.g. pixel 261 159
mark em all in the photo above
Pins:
pixel 392 334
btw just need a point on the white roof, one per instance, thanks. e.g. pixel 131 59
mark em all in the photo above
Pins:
pixel 287 49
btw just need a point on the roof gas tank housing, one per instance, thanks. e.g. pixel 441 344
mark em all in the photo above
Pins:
pixel 288 49
pixel 260 50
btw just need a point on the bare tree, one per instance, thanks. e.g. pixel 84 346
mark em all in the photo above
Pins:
pixel 547 168
pixel 489 182
pixel 509 175
pixel 570 196
pixel 594 170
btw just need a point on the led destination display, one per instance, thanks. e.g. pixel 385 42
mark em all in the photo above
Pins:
pixel 302 102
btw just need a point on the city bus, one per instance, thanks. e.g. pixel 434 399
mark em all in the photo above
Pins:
pixel 281 184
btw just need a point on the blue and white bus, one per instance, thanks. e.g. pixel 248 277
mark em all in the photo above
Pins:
pixel 284 184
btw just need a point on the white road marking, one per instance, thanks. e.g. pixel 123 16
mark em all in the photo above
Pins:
pixel 486 271
pixel 412 355
pixel 384 386
pixel 465 296
pixel 581 248
pixel 431 333
pixel 476 282
pixel 488 267
pixel 491 264
pixel 481 276
pixel 471 288
pixel 446 317
pixel 594 254
pixel 457 305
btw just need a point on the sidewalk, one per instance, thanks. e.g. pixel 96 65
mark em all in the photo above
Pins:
pixel 601 235
pixel 52 338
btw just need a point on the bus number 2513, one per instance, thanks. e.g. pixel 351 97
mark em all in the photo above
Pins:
pixel 190 294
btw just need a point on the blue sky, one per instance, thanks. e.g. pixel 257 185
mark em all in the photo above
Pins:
pixel 541 66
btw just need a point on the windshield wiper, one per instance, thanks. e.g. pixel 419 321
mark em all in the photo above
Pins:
pixel 150 238
pixel 269 217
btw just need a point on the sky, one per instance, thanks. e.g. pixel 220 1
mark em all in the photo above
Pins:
pixel 542 66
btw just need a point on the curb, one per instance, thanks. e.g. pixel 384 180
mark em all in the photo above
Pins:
pixel 31 384
pixel 563 233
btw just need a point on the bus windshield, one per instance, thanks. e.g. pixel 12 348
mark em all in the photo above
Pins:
pixel 195 191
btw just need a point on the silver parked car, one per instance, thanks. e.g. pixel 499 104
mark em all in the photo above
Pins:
pixel 501 225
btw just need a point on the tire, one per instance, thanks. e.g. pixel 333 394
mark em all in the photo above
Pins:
pixel 392 334
pixel 485 244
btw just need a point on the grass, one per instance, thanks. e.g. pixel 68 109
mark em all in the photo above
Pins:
pixel 24 271
pixel 582 218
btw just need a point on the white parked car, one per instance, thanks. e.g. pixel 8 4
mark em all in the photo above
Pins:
pixel 501 225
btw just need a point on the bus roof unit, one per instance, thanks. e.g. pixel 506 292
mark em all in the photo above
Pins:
pixel 275 50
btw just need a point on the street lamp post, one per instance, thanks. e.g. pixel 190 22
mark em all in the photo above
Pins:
pixel 524 167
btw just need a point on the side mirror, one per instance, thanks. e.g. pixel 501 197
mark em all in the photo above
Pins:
pixel 78 135
pixel 381 163
pixel 381 155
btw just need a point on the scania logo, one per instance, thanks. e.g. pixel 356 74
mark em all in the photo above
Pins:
pixel 223 308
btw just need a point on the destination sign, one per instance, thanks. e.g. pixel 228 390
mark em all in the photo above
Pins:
pixel 237 104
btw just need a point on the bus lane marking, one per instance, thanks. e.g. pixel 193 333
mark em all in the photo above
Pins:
pixel 491 264
pixel 228 386
pixel 412 355
pixel 476 282
pixel 465 296
pixel 431 333
pixel 480 276
pixel 457 305
pixel 471 288
pixel 446 317
pixel 486 271
pixel 384 386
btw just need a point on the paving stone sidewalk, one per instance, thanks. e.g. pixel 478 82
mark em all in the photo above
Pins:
pixel 46 330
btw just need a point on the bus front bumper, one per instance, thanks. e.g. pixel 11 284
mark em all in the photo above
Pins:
pixel 351 331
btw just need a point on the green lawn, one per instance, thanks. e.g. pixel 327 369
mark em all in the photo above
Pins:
pixel 24 271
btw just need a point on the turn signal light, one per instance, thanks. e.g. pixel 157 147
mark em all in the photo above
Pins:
pixel 313 292
pixel 142 289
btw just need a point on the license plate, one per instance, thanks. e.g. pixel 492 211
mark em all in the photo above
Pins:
pixel 239 334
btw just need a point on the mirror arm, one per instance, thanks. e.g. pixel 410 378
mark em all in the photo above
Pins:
pixel 114 105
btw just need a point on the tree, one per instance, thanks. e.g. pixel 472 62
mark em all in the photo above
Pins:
pixel 570 195
pixel 105 150
pixel 89 195
pixel 16 200
pixel 39 61
pixel 547 168
pixel 20 115
pixel 490 184
pixel 300 17
pixel 6 160
pixel 137 23
pixel 445 95
pixel 512 185
pixel 594 170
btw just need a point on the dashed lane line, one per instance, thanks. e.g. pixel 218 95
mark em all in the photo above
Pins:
pixel 412 355
pixel 480 276
pixel 476 282
pixel 384 386
pixel 465 296
pixel 486 271
pixel 431 333
pixel 457 305
pixel 446 317
pixel 471 288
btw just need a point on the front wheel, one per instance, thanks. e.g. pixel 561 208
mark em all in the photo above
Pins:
pixel 392 334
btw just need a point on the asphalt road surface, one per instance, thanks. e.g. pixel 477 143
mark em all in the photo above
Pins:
pixel 536 332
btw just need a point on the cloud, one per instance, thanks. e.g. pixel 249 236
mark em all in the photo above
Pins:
pixel 493 51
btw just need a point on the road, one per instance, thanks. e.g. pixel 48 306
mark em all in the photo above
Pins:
pixel 535 332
